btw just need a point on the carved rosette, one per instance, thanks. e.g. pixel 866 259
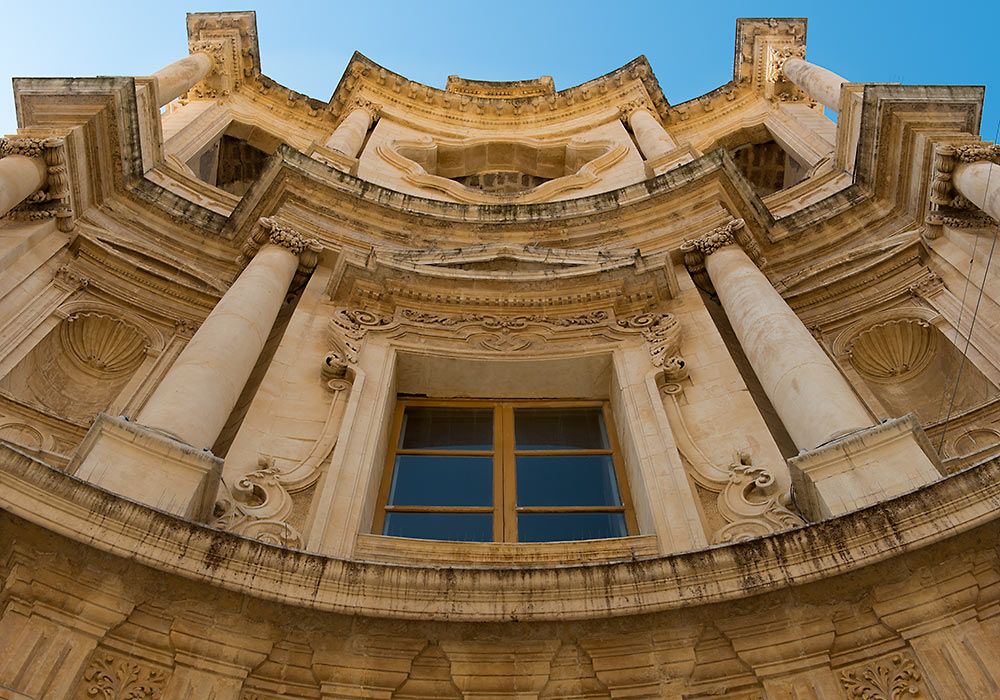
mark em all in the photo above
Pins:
pixel 891 678
pixel 111 677
pixel 53 199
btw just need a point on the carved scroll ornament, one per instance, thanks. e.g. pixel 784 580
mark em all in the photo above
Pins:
pixel 257 506
pixel 661 331
pixel 749 499
pixel 888 679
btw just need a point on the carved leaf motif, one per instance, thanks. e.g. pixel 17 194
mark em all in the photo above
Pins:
pixel 113 678
pixel 889 679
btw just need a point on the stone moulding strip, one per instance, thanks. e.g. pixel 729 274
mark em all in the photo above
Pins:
pixel 82 512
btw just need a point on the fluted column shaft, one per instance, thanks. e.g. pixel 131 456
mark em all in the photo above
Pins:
pixel 197 395
pixel 350 133
pixel 180 76
pixel 20 177
pixel 815 81
pixel 806 389
pixel 653 139
pixel 980 184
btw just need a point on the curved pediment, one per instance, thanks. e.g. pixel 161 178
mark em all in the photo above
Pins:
pixel 508 170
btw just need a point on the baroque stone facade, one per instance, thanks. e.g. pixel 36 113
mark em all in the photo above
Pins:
pixel 226 309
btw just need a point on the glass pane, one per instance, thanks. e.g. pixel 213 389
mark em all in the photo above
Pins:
pixel 567 480
pixel 459 527
pixel 560 527
pixel 560 429
pixel 441 480
pixel 433 428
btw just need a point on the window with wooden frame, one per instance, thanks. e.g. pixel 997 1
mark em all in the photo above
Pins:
pixel 504 471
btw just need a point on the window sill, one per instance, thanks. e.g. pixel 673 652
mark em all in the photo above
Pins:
pixel 402 550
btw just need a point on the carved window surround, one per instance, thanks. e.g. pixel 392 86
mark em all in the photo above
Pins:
pixel 569 164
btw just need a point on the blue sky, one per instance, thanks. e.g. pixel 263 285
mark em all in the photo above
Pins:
pixel 306 45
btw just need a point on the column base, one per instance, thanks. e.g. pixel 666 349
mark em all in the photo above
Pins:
pixel 334 158
pixel 670 160
pixel 149 467
pixel 863 468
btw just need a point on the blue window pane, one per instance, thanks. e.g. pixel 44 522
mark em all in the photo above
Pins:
pixel 441 480
pixel 433 428
pixel 561 527
pixel 560 429
pixel 458 527
pixel 567 480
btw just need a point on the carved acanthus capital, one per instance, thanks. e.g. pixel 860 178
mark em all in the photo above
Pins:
pixel 631 107
pixel 271 231
pixel 776 59
pixel 716 238
pixel 946 206
pixel 53 199
pixel 374 109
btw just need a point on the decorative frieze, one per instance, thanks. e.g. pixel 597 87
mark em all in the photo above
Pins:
pixel 111 677
pixel 892 678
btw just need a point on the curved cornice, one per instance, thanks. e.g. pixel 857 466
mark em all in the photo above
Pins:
pixel 96 518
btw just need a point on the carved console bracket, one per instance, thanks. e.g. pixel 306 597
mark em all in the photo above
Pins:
pixel 258 506
pixel 52 200
pixel 748 496
pixel 946 206
pixel 663 334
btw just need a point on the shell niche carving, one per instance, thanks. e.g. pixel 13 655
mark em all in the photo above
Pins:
pixel 104 343
pixel 893 350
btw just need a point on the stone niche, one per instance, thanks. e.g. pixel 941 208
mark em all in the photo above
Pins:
pixel 909 365
pixel 80 367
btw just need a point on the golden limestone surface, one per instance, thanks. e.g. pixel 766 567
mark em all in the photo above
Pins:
pixel 498 391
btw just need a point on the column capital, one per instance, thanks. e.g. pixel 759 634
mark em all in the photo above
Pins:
pixel 279 234
pixel 733 232
pixel 777 57
pixel 373 108
pixel 631 107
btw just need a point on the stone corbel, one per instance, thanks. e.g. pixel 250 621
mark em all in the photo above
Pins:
pixel 52 200
pixel 946 206
pixel 749 499
pixel 696 250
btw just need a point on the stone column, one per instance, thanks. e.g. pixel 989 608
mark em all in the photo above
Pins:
pixel 195 398
pixel 807 390
pixel 654 141
pixel 180 76
pixel 22 171
pixel 815 81
pixel 350 133
pixel 977 175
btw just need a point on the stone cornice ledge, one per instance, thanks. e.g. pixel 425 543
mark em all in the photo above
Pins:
pixel 96 518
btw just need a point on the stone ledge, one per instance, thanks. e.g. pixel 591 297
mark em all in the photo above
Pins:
pixel 80 511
